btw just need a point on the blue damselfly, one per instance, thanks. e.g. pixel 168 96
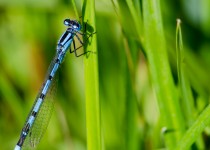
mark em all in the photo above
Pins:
pixel 33 130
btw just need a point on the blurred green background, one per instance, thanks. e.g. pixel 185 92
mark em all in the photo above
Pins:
pixel 29 31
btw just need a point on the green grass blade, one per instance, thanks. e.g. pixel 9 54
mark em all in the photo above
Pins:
pixel 91 82
pixel 195 130
pixel 129 15
pixel 136 17
pixel 11 98
pixel 75 8
pixel 186 93
pixel 131 112
pixel 155 48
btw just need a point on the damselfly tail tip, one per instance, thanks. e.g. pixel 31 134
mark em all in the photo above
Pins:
pixel 17 147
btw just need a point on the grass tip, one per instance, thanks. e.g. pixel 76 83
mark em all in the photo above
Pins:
pixel 179 21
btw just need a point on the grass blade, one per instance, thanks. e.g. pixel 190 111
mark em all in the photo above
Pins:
pixel 155 48
pixel 91 82
pixel 185 88
pixel 75 8
pixel 195 130
pixel 186 93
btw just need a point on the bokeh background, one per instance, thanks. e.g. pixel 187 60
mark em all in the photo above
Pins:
pixel 29 31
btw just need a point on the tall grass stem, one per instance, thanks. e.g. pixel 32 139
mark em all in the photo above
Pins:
pixel 93 124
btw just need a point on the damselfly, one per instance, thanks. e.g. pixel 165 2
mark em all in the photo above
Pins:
pixel 41 106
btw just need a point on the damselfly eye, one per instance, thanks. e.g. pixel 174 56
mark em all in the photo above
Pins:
pixel 72 23
pixel 67 22
pixel 75 25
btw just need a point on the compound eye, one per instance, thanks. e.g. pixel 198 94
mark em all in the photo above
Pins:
pixel 67 22
pixel 76 25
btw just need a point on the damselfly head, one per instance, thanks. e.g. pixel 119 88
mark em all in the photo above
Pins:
pixel 72 23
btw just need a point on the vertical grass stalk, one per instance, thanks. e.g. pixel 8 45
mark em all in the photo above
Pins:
pixel 186 93
pixel 161 75
pixel 91 81
pixel 75 8
pixel 185 90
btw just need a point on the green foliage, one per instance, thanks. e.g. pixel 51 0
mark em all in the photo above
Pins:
pixel 143 85
pixel 93 120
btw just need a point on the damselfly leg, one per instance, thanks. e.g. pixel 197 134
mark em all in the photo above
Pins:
pixel 82 44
